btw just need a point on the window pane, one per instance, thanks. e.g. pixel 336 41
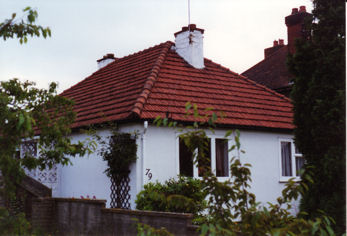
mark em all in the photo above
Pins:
pixel 222 167
pixel 286 158
pixel 186 160
pixel 299 162
pixel 204 158
pixel 297 150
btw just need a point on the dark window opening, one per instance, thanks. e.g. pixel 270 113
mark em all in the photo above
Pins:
pixel 222 163
pixel 286 155
pixel 186 160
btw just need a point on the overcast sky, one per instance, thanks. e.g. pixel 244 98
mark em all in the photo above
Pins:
pixel 236 33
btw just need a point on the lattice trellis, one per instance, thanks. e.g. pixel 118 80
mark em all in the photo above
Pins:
pixel 29 148
pixel 120 197
pixel 48 177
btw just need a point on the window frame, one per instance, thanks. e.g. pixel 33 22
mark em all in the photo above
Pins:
pixel 293 161
pixel 213 157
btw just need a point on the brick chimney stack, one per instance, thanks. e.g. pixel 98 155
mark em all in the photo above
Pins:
pixel 295 26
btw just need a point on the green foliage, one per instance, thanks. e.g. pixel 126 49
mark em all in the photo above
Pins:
pixel 319 110
pixel 29 113
pixel 13 224
pixel 24 28
pixel 175 195
pixel 120 152
pixel 147 230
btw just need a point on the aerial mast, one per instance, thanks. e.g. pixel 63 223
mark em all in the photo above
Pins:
pixel 189 15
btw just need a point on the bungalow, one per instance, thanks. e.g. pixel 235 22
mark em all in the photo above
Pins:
pixel 159 81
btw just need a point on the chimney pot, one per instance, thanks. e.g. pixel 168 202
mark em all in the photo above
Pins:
pixel 275 43
pixel 302 9
pixel 109 55
pixel 295 11
pixel 281 42
pixel 192 26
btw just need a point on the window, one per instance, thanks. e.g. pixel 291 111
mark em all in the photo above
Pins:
pixel 222 160
pixel 186 159
pixel 216 157
pixel 291 160
pixel 204 158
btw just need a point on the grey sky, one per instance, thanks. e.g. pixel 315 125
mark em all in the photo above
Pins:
pixel 236 33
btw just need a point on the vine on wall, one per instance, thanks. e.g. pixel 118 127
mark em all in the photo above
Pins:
pixel 120 153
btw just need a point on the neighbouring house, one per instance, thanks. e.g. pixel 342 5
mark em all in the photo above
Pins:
pixel 272 71
pixel 133 90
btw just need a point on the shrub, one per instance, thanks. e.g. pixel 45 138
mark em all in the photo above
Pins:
pixel 175 195
pixel 11 224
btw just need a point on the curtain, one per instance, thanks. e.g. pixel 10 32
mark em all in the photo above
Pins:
pixel 286 155
pixel 222 164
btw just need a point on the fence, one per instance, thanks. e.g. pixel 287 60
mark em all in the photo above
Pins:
pixel 64 216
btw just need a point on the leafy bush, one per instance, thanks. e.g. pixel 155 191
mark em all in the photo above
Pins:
pixel 175 195
pixel 13 224
pixel 147 230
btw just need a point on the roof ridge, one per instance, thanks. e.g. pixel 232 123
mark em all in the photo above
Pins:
pixel 266 88
pixel 142 98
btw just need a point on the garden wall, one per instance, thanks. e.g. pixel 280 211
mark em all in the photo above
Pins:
pixel 63 216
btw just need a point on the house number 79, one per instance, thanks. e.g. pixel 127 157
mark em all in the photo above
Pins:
pixel 149 174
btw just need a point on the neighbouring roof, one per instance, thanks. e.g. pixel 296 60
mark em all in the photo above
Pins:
pixel 157 81
pixel 272 71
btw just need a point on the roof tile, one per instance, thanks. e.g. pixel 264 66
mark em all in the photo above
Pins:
pixel 157 81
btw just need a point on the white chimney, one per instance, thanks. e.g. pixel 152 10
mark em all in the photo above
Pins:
pixel 105 60
pixel 189 45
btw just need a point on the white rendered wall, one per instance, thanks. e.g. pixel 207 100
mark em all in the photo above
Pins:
pixel 86 174
pixel 261 151
pixel 158 161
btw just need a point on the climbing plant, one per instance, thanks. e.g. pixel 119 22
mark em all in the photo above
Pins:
pixel 120 153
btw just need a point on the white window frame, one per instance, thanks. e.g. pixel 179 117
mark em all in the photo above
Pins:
pixel 213 157
pixel 293 161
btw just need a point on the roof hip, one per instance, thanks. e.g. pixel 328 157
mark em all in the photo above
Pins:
pixel 142 98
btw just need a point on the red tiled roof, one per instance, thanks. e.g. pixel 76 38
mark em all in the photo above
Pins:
pixel 272 71
pixel 157 81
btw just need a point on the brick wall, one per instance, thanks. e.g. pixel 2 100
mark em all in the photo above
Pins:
pixel 63 216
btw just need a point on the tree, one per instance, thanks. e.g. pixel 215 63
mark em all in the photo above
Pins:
pixel 319 110
pixel 10 28
pixel 28 113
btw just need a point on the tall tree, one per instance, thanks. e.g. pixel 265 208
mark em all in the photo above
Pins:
pixel 319 109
